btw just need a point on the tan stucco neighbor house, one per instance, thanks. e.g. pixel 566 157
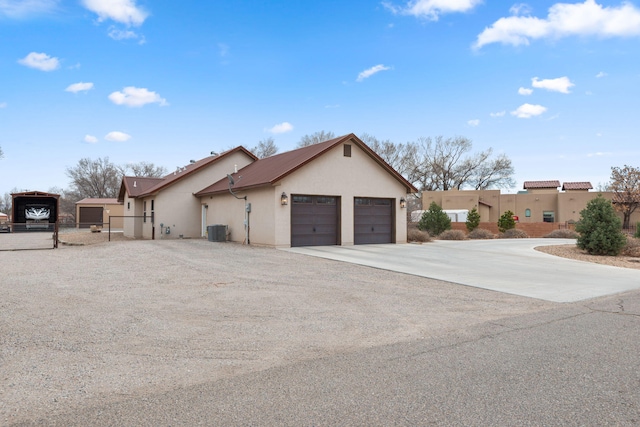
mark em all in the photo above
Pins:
pixel 166 207
pixel 337 192
pixel 98 212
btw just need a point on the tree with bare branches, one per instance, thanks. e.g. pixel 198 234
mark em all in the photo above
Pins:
pixel 625 185
pixel 315 138
pixel 265 148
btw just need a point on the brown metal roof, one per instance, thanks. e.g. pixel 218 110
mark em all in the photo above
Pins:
pixel 35 194
pixel 143 186
pixel 541 184
pixel 270 170
pixel 577 186
pixel 97 201
pixel 134 186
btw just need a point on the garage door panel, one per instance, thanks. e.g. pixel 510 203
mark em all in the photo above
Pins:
pixel 314 220
pixel 373 221
pixel 89 216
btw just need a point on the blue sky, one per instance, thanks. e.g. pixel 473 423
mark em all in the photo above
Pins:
pixel 554 86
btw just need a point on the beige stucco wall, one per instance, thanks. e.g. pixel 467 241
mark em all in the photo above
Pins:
pixel 175 206
pixel 132 227
pixel 565 205
pixel 108 209
pixel 331 174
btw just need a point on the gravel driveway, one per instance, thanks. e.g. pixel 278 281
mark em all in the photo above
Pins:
pixel 88 325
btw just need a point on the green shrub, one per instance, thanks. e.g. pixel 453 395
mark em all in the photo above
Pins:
pixel 637 233
pixel 473 220
pixel 513 233
pixel 563 233
pixel 600 228
pixel 434 220
pixel 480 233
pixel 452 235
pixel 506 222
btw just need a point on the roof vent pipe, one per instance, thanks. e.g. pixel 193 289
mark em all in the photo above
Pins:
pixel 235 168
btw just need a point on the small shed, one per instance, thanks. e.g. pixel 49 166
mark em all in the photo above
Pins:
pixel 35 211
pixel 98 212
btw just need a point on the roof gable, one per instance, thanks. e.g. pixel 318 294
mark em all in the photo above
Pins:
pixel 270 170
pixel 142 186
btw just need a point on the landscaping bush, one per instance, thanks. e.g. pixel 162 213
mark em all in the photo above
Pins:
pixel 637 233
pixel 600 228
pixel 562 234
pixel 452 235
pixel 480 233
pixel 473 220
pixel 415 235
pixel 506 222
pixel 631 248
pixel 513 233
pixel 434 220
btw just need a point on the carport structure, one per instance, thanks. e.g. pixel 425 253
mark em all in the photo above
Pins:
pixel 337 192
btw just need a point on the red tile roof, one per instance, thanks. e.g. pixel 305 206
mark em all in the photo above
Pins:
pixel 541 184
pixel 577 186
pixel 270 170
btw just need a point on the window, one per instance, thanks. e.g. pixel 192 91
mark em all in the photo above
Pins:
pixel 323 200
pixel 152 213
pixel 360 201
pixel 548 216
pixel 128 206
pixel 302 199
pixel 144 211
pixel 347 150
pixel 527 213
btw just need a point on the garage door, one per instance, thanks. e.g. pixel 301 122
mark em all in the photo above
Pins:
pixel 314 220
pixel 90 216
pixel 373 221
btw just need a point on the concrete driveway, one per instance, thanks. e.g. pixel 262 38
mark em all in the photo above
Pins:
pixel 511 265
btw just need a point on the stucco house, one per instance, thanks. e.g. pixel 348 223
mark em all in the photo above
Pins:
pixel 539 202
pixel 337 192
pixel 166 207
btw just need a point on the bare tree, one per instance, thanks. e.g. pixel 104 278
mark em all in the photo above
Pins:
pixel 1 153
pixel 625 184
pixel 95 178
pixel 265 148
pixel 145 169
pixel 315 138
pixel 494 173
pixel 6 202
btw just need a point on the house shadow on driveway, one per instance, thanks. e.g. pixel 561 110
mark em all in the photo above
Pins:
pixel 508 265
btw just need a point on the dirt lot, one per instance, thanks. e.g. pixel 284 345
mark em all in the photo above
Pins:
pixel 87 325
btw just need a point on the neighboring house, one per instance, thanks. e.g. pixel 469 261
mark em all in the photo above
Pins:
pixel 166 207
pixel 98 211
pixel 541 201
pixel 337 192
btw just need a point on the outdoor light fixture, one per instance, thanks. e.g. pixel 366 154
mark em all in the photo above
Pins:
pixel 284 199
pixel 403 203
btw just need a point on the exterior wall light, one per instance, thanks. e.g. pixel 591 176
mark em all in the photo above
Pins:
pixel 403 203
pixel 284 199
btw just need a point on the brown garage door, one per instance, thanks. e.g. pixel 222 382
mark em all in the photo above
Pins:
pixel 90 216
pixel 373 221
pixel 314 220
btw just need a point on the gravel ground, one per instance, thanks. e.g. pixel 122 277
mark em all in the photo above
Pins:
pixel 572 251
pixel 91 325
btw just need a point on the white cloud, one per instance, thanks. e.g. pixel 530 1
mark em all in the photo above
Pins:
pixel 520 9
pixel 561 84
pixel 122 11
pixel 526 111
pixel 90 139
pixel 432 9
pixel 371 71
pixel 283 127
pixel 79 87
pixel 564 20
pixel 525 91
pixel 118 34
pixel 24 8
pixel 136 97
pixel 40 61
pixel 498 114
pixel 601 74
pixel 223 49
pixel 474 122
pixel 3 105
pixel 599 154
pixel 117 136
